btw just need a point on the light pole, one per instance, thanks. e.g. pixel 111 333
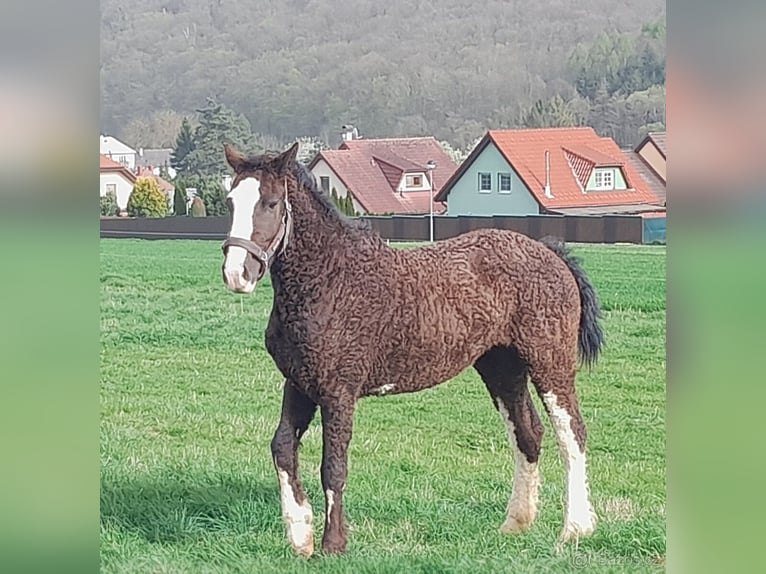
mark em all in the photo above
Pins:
pixel 431 165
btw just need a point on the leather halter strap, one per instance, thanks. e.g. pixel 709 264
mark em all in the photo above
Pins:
pixel 276 246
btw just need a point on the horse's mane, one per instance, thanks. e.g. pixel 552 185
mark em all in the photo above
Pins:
pixel 307 180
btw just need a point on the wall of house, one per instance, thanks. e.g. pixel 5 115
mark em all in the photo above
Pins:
pixel 321 169
pixel 465 198
pixel 617 177
pixel 654 158
pixel 124 187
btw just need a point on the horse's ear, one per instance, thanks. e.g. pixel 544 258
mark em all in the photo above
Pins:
pixel 286 160
pixel 235 158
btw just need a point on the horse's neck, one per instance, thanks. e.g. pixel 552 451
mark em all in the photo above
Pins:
pixel 316 233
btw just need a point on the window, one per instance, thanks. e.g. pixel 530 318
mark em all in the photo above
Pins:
pixel 504 182
pixel 485 182
pixel 603 179
pixel 413 181
pixel 325 183
pixel 111 188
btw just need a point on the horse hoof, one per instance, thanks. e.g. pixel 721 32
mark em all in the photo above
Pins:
pixel 305 551
pixel 513 526
pixel 575 531
pixel 333 548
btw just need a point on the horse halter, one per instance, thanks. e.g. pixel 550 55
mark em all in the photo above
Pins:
pixel 276 246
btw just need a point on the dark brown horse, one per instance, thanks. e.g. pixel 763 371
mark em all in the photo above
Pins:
pixel 353 317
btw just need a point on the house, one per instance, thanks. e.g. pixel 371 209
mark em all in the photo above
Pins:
pixel 546 171
pixel 116 150
pixel 385 176
pixel 117 178
pixel 156 160
pixel 650 160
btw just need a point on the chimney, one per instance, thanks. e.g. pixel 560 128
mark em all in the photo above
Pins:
pixel 548 193
pixel 349 133
pixel 140 152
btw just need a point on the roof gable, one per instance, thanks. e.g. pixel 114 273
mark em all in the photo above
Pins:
pixel 111 145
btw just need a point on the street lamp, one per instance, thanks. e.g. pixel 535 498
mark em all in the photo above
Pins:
pixel 431 165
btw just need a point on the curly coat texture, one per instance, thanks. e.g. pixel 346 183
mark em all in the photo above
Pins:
pixel 353 317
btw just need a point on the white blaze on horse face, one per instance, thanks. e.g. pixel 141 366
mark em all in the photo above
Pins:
pixel 243 198
pixel 522 506
pixel 580 518
pixel 298 518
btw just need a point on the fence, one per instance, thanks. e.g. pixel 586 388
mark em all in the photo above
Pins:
pixel 575 229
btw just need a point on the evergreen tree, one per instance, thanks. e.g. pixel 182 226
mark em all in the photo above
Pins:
pixel 146 199
pixel 179 199
pixel 218 125
pixel 184 146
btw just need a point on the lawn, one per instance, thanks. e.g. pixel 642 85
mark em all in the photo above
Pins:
pixel 190 399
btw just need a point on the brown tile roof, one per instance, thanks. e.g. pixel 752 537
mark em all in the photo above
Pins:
pixel 654 181
pixel 371 169
pixel 107 164
pixel 659 140
pixel 574 152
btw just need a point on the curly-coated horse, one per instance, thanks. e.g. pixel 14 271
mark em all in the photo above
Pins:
pixel 353 317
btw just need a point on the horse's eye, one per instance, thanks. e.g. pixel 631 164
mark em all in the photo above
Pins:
pixel 272 204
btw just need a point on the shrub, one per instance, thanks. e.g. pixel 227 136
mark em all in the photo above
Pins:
pixel 109 204
pixel 198 208
pixel 179 200
pixel 146 199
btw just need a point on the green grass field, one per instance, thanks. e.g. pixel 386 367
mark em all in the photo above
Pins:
pixel 190 399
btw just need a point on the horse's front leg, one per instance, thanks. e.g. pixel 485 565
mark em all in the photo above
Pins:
pixel 297 412
pixel 337 422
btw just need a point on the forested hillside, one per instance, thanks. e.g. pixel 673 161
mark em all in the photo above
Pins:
pixel 448 68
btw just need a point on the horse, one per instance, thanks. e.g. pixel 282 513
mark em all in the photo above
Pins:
pixel 353 317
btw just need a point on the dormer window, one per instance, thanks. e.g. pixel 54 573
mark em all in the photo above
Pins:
pixel 415 181
pixel 603 179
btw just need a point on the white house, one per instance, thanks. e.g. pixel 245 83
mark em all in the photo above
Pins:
pixel 116 150
pixel 116 178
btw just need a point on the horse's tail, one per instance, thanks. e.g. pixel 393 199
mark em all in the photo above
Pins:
pixel 591 336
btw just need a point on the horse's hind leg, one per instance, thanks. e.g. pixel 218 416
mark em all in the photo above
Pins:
pixel 297 412
pixel 556 387
pixel 505 377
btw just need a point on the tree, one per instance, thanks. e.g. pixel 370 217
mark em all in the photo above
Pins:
pixel 552 113
pixel 344 204
pixel 179 199
pixel 157 130
pixel 308 147
pixel 210 190
pixel 184 146
pixel 146 199
pixel 109 204
pixel 218 125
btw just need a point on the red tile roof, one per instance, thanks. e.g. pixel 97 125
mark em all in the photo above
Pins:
pixel 574 152
pixel 107 164
pixel 372 168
